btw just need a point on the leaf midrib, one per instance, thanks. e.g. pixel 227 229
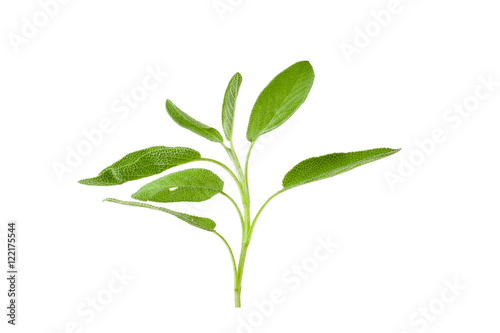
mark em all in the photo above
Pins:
pixel 282 105
pixel 119 168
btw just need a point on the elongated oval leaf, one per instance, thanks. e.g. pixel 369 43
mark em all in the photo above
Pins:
pixel 199 222
pixel 229 105
pixel 317 168
pixel 183 120
pixel 280 99
pixel 143 163
pixel 193 185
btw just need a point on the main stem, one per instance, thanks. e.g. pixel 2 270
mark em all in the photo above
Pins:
pixel 246 225
pixel 239 276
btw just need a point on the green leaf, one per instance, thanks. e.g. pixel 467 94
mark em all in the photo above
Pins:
pixel 229 105
pixel 143 163
pixel 183 120
pixel 326 166
pixel 200 222
pixel 193 185
pixel 280 99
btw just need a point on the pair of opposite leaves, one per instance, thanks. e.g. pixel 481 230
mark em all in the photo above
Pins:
pixel 276 103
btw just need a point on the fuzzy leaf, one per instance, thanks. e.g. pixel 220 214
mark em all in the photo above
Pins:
pixel 193 185
pixel 183 120
pixel 143 163
pixel 326 166
pixel 229 105
pixel 200 222
pixel 280 99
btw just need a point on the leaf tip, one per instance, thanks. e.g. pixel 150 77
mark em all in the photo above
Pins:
pixel 112 200
pixel 394 151
pixel 306 64
pixel 86 181
pixel 168 104
pixel 137 196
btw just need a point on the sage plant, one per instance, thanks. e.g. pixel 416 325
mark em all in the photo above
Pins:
pixel 275 104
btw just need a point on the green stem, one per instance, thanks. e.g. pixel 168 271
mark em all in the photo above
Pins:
pixel 245 198
pixel 235 270
pixel 236 206
pixel 247 226
pixel 236 179
pixel 262 208
pixel 241 265
pixel 245 195
pixel 246 163
pixel 223 166
pixel 244 248
pixel 234 159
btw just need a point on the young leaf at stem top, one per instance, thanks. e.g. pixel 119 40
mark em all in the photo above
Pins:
pixel 229 105
pixel 183 120
pixel 143 163
pixel 326 166
pixel 280 99
pixel 191 185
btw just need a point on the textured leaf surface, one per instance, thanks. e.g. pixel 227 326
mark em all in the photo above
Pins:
pixel 317 168
pixel 143 163
pixel 280 99
pixel 229 105
pixel 183 120
pixel 200 222
pixel 193 185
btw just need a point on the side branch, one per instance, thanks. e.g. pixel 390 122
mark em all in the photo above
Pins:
pixel 262 208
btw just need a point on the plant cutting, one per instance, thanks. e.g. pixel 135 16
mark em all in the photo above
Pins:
pixel 276 103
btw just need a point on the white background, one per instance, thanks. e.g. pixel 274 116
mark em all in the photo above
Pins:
pixel 398 246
